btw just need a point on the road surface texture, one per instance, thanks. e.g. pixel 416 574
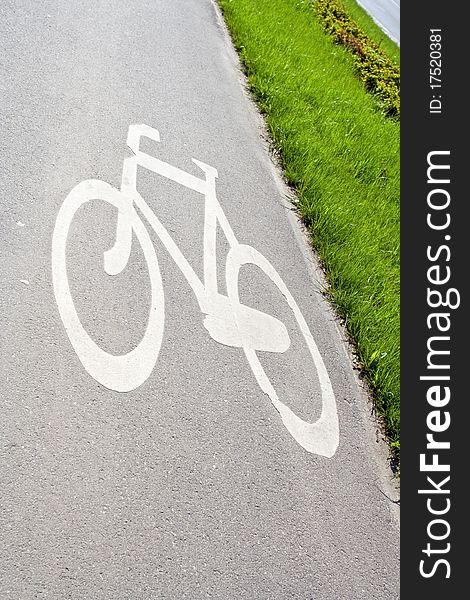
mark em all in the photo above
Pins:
pixel 386 13
pixel 188 486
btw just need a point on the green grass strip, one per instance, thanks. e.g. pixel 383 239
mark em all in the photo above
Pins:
pixel 341 154
pixel 379 74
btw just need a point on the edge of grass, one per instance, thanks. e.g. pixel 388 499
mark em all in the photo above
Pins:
pixel 340 155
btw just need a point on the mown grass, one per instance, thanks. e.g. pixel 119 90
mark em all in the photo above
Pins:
pixel 341 155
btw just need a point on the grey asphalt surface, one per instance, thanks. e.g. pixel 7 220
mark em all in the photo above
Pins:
pixel 386 13
pixel 189 486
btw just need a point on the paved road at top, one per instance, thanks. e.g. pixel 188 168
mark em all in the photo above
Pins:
pixel 386 13
pixel 189 485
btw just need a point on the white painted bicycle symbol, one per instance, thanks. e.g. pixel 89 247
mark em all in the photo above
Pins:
pixel 227 320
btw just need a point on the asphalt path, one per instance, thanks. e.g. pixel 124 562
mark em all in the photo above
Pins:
pixel 386 13
pixel 189 485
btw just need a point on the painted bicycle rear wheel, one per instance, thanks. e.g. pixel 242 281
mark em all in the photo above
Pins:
pixel 318 437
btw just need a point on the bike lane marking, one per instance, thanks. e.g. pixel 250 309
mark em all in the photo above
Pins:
pixel 228 321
